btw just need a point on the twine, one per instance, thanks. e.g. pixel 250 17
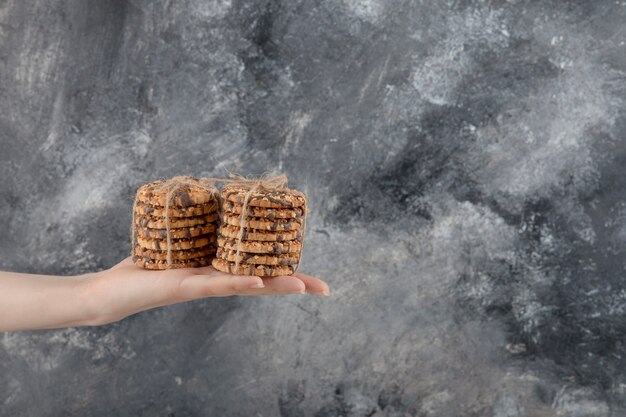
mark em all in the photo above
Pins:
pixel 171 186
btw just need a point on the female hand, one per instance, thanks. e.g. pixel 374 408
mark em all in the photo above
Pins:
pixel 38 301
pixel 126 289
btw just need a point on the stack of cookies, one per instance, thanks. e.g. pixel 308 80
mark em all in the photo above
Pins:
pixel 268 237
pixel 193 220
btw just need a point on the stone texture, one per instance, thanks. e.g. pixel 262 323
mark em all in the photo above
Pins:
pixel 464 162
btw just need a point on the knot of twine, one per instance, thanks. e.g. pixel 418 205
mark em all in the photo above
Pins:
pixel 170 186
pixel 278 182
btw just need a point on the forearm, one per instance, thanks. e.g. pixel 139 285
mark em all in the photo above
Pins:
pixel 30 301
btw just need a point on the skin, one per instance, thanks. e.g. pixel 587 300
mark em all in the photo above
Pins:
pixel 30 301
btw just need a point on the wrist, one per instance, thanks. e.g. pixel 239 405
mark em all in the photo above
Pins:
pixel 87 303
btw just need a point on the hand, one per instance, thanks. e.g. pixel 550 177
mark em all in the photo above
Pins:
pixel 126 289
pixel 29 301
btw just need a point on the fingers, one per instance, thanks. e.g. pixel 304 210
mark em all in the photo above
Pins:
pixel 313 285
pixel 176 285
pixel 216 284
pixel 126 289
pixel 281 285
pixel 207 282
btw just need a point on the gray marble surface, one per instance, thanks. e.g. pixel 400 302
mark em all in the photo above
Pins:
pixel 465 165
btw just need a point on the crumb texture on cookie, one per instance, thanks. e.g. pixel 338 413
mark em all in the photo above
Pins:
pixel 280 198
pixel 177 244
pixel 265 212
pixel 251 269
pixel 275 247
pixel 260 223
pixel 259 235
pixel 148 263
pixel 257 258
pixel 183 232
pixel 182 192
pixel 174 222
pixel 189 211
pixel 155 254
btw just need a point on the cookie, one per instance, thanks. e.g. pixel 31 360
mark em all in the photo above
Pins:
pixel 194 191
pixel 148 263
pixel 283 198
pixel 288 246
pixel 183 232
pixel 259 223
pixel 176 244
pixel 175 222
pixel 268 213
pixel 258 259
pixel 202 252
pixel 191 211
pixel 259 235
pixel 251 269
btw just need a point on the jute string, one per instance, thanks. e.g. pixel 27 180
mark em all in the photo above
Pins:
pixel 170 186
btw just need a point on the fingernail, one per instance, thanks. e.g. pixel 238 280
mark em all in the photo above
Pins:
pixel 257 284
pixel 299 291
pixel 326 292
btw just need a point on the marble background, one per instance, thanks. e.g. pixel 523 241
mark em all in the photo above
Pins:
pixel 465 165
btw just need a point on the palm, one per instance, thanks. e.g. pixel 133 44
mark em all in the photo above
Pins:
pixel 126 289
